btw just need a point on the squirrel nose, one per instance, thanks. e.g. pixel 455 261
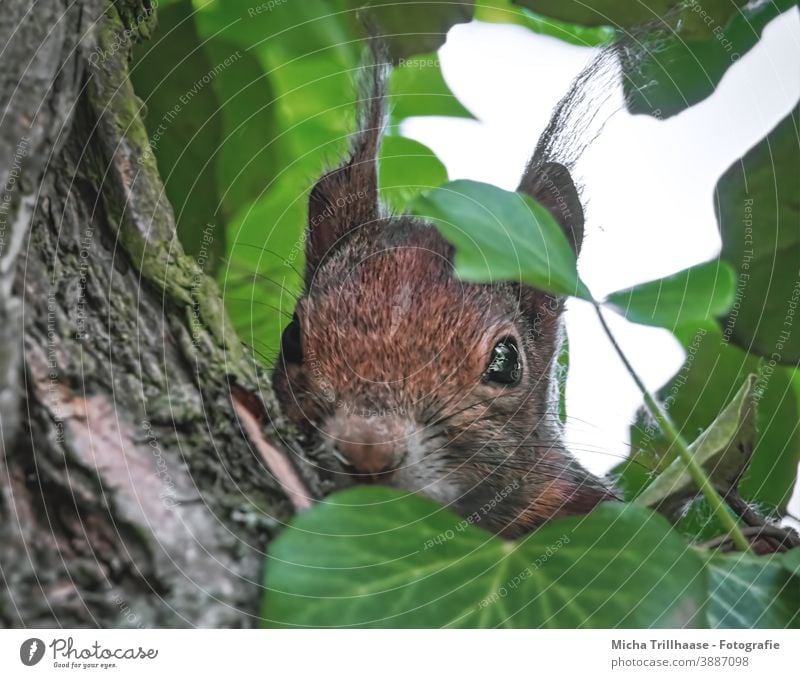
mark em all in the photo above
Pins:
pixel 368 458
pixel 370 446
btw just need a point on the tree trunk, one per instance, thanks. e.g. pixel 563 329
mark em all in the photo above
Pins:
pixel 140 474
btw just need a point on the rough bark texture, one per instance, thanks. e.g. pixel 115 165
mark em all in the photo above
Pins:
pixel 129 494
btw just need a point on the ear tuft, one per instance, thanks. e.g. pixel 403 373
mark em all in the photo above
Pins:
pixel 550 184
pixel 347 196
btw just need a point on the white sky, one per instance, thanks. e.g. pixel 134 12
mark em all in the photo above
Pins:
pixel 649 184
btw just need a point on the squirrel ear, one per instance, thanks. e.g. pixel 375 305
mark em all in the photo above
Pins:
pixel 346 197
pixel 550 184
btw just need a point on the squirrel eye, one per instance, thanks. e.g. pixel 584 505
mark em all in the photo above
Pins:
pixel 505 366
pixel 291 345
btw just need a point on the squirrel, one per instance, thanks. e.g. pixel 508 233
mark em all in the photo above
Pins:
pixel 416 379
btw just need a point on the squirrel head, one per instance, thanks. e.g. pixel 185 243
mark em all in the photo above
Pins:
pixel 422 381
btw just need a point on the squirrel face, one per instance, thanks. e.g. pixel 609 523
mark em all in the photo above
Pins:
pixel 417 379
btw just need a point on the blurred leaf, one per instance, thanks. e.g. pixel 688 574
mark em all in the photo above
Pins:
pixel 282 29
pixel 684 67
pixel 371 557
pixel 758 210
pixel 633 14
pixel 170 73
pixel 503 11
pixel 723 449
pixel 791 561
pixel 261 278
pixel 699 293
pixel 747 591
pixel 500 235
pixel 309 56
pixel 417 87
pixel 710 376
pixel 412 26
pixel 698 522
pixel 248 157
pixel 407 168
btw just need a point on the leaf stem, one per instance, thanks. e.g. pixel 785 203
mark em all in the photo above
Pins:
pixel 675 439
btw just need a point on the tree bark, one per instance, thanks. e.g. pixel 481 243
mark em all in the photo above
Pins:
pixel 143 467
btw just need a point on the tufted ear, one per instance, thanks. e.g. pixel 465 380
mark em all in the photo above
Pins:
pixel 347 197
pixel 550 184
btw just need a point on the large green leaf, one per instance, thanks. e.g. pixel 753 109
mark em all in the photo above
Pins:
pixel 407 168
pixel 693 295
pixel 713 372
pixel 417 87
pixel 503 11
pixel 758 210
pixel 791 562
pixel 633 14
pixel 682 67
pixel 411 26
pixel 248 157
pixel 309 56
pixel 500 235
pixel 750 592
pixel 371 557
pixel 683 51
pixel 723 449
pixel 262 275
pixel 289 114
pixel 285 31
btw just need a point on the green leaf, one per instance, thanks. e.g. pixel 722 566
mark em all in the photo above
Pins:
pixel 714 370
pixel 723 449
pixel 791 561
pixel 758 210
pixel 751 592
pixel 286 30
pixel 684 66
pixel 261 278
pixel 503 11
pixel 412 26
pixel 693 295
pixel 407 168
pixel 417 87
pixel 633 14
pixel 687 50
pixel 291 121
pixel 370 557
pixel 500 235
pixel 248 156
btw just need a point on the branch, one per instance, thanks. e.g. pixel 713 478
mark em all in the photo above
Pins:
pixel 676 440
